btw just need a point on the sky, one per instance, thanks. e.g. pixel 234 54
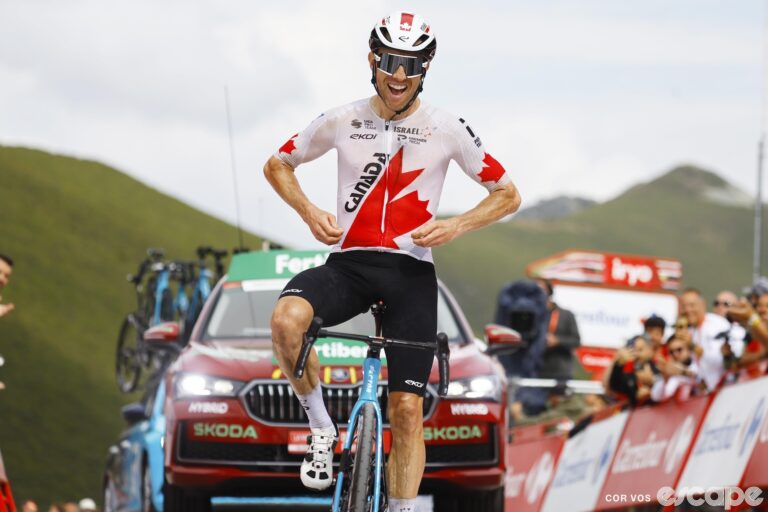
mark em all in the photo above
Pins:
pixel 573 97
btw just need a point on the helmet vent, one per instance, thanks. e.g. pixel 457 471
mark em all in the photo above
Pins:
pixel 421 39
pixel 385 33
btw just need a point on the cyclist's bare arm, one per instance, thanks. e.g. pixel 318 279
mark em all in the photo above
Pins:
pixel 501 202
pixel 283 179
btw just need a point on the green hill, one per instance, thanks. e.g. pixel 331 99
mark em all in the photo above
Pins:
pixel 75 228
pixel 689 214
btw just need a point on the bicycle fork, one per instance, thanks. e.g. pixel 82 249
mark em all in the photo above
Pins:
pixel 368 394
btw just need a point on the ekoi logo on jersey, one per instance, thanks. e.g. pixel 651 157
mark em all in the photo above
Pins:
pixel 370 173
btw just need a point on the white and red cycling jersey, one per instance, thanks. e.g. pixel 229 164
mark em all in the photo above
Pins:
pixel 391 173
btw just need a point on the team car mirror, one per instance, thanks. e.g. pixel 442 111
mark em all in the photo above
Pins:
pixel 134 413
pixel 502 339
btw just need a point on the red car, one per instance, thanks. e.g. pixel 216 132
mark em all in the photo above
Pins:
pixel 234 427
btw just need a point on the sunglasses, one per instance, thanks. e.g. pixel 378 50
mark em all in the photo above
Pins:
pixel 722 303
pixel 676 350
pixel 388 63
pixel 681 326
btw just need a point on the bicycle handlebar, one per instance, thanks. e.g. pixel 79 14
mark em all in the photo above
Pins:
pixel 441 350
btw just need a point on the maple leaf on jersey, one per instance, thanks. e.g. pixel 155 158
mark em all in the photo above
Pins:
pixel 492 170
pixel 404 214
pixel 289 147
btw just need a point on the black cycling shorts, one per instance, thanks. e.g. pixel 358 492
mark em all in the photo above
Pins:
pixel 350 282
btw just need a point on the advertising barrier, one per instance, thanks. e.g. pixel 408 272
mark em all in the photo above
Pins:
pixel 757 468
pixel 727 437
pixel 530 468
pixel 652 451
pixel 583 465
pixel 700 450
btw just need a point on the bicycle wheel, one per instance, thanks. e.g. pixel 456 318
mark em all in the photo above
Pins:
pixel 127 357
pixel 361 483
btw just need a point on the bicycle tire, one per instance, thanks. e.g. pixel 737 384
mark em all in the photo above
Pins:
pixel 361 484
pixel 127 364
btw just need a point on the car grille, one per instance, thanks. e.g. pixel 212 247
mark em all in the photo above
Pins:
pixel 275 402
pixel 276 456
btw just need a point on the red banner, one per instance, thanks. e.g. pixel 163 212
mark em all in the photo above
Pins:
pixel 530 467
pixel 652 451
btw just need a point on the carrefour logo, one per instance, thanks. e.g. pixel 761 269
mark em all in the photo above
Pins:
pixel 224 431
pixel 538 477
pixel 603 459
pixel 717 438
pixel 678 445
pixel 752 426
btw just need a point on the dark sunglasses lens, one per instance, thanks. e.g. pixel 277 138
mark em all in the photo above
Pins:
pixel 721 303
pixel 389 64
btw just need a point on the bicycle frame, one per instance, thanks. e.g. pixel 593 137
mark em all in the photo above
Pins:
pixel 201 292
pixel 163 283
pixel 371 369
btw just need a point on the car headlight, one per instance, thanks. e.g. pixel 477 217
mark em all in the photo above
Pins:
pixel 197 385
pixel 486 387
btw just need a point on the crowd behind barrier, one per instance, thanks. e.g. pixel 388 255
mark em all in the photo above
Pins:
pixel 684 416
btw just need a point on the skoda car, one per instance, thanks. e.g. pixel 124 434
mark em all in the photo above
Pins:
pixel 235 428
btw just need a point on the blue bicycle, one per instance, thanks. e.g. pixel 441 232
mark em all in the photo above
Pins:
pixel 158 303
pixel 202 288
pixel 362 491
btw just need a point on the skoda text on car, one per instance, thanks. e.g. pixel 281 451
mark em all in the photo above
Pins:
pixel 235 427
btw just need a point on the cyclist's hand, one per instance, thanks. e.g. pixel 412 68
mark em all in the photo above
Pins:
pixel 323 226
pixel 436 232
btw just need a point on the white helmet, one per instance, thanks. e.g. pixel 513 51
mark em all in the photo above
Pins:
pixel 404 31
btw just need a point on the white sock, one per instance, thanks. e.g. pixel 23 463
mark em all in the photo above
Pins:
pixel 402 504
pixel 314 406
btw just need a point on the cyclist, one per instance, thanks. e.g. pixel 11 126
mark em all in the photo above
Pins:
pixel 393 154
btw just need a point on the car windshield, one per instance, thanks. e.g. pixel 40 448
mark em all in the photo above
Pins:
pixel 243 310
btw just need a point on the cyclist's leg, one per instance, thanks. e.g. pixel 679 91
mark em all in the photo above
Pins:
pixel 325 291
pixel 411 314
pixel 334 296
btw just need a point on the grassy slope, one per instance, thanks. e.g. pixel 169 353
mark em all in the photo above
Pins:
pixel 75 229
pixel 667 217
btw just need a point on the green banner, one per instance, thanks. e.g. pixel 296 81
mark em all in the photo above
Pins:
pixel 273 264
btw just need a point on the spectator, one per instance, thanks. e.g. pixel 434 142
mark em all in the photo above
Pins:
pixel 709 332
pixel 633 372
pixel 654 328
pixel 562 338
pixel 724 300
pixel 29 506
pixel 70 506
pixel 56 507
pixel 87 505
pixel 6 268
pixel 679 370
pixel 755 351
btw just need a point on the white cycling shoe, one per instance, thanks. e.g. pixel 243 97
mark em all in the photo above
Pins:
pixel 317 466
